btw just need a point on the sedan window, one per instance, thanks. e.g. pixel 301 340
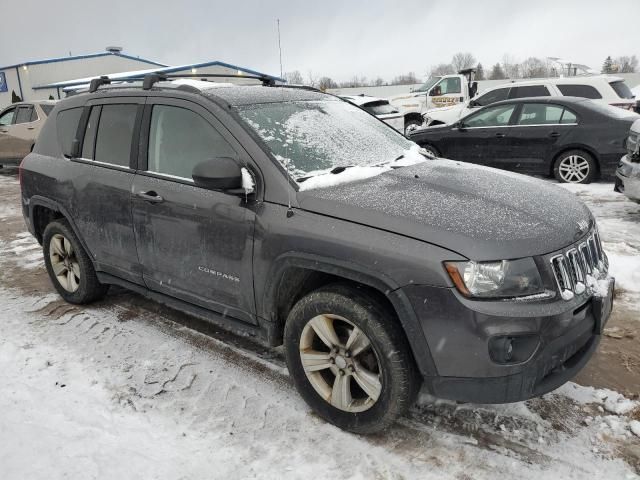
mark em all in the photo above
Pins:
pixel 540 114
pixel 490 117
pixel 23 114
pixel 7 117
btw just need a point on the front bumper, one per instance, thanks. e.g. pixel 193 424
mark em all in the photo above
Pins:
pixel 628 178
pixel 459 332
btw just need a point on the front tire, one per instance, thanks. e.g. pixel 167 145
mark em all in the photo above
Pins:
pixel 411 125
pixel 349 359
pixel 68 265
pixel 575 166
pixel 431 149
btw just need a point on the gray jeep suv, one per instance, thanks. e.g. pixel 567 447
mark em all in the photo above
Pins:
pixel 296 218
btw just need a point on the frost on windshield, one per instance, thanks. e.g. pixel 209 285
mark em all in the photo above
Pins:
pixel 313 137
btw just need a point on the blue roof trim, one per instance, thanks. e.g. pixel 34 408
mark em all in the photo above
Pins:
pixel 81 57
pixel 165 69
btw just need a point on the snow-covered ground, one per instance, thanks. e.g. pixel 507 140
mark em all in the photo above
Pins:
pixel 122 390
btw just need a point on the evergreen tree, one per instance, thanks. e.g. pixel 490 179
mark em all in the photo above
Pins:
pixel 479 72
pixel 51 97
pixel 607 66
pixel 15 98
pixel 497 73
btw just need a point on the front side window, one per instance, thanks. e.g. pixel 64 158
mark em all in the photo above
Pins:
pixel 583 91
pixel 46 108
pixel 450 85
pixel 492 97
pixel 308 136
pixel 23 114
pixel 540 114
pixel 179 139
pixel 7 117
pixel 115 134
pixel 529 91
pixel 497 116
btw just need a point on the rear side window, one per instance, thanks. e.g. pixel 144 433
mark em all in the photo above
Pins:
pixel 24 114
pixel 34 115
pixel 584 91
pixel 179 139
pixel 115 134
pixel 67 126
pixel 379 108
pixel 529 91
pixel 540 114
pixel 622 89
pixel 568 117
pixel 89 142
pixel 492 97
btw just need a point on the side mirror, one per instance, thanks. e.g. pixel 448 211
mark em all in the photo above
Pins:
pixel 221 173
pixel 460 126
pixel 472 103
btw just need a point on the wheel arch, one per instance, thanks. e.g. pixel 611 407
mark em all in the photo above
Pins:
pixel 295 275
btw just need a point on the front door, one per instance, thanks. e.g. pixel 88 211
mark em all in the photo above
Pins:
pixel 484 136
pixel 194 244
pixel 6 121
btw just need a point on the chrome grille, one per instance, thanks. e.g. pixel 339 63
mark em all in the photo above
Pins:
pixel 570 269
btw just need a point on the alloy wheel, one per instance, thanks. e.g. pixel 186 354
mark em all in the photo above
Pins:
pixel 64 263
pixel 574 169
pixel 340 363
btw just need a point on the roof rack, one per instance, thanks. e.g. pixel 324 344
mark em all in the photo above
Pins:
pixel 97 82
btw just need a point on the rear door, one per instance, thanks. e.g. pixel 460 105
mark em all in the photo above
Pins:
pixel 537 130
pixel 483 135
pixel 102 182
pixel 194 244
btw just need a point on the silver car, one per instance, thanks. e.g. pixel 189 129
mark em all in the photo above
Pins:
pixel 628 172
pixel 379 107
pixel 20 124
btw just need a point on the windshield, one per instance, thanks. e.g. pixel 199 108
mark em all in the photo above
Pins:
pixel 311 136
pixel 426 86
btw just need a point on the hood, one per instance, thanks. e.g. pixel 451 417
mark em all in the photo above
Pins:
pixel 479 212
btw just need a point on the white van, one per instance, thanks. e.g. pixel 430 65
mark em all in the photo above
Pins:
pixel 602 88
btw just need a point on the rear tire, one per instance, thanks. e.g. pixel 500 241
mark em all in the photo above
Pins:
pixel 358 372
pixel 575 166
pixel 68 265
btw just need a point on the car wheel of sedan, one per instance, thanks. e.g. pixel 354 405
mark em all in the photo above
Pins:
pixel 431 149
pixel 69 267
pixel 575 166
pixel 349 359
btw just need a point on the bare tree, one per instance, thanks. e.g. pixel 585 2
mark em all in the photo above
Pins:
pixel 378 82
pixel 626 64
pixel 294 77
pixel 510 66
pixel 441 69
pixel 462 60
pixel 312 79
pixel 326 83
pixel 497 73
pixel 406 79
pixel 533 67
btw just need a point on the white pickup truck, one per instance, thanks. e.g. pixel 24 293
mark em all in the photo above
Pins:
pixel 436 93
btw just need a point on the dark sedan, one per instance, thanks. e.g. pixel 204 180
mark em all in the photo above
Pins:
pixel 574 139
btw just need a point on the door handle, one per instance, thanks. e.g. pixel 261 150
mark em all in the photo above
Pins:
pixel 30 128
pixel 4 131
pixel 500 135
pixel 554 134
pixel 150 196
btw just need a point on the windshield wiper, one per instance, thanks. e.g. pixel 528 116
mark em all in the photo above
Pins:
pixel 334 170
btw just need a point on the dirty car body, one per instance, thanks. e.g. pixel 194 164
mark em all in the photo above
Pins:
pixel 628 172
pixel 497 281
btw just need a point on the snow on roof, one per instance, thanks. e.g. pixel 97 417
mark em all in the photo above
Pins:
pixel 82 57
pixel 362 99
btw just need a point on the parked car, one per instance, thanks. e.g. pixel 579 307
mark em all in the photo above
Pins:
pixel 295 218
pixel 379 107
pixel 574 139
pixel 600 88
pixel 20 125
pixel 628 172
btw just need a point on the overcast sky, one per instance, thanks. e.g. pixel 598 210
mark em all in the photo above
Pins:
pixel 339 39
